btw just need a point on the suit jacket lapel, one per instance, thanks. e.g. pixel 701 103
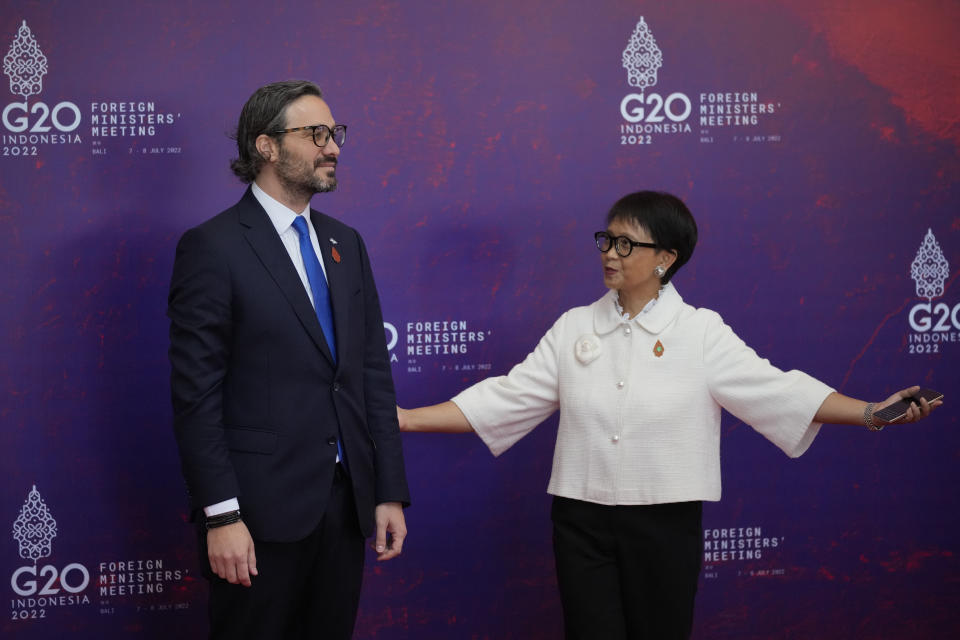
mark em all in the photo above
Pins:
pixel 263 238
pixel 337 280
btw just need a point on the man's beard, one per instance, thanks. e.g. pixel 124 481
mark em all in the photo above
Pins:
pixel 299 179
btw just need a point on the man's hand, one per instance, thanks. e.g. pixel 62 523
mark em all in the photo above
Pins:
pixel 390 522
pixel 230 551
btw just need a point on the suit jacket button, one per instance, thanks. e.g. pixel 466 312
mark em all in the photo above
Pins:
pixel 331 441
pixel 336 386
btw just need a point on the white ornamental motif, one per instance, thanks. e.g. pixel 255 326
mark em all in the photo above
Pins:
pixel 642 58
pixel 35 528
pixel 587 348
pixel 929 269
pixel 25 64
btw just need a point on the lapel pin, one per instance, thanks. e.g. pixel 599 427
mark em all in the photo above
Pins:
pixel 658 349
pixel 335 254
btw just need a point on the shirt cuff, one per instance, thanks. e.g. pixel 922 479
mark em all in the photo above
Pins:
pixel 222 507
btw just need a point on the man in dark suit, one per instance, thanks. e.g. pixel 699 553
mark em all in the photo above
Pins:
pixel 284 407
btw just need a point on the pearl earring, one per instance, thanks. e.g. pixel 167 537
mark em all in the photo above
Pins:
pixel 659 271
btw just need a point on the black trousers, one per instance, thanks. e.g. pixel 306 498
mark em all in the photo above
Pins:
pixel 305 589
pixel 627 572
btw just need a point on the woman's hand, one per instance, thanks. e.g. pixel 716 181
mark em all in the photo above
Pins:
pixel 914 413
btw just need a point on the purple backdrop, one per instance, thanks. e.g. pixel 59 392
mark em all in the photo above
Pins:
pixel 816 143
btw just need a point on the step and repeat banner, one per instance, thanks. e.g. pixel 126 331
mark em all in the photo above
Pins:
pixel 816 143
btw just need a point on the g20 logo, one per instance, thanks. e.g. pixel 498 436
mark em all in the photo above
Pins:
pixel 65 117
pixel 391 332
pixel 676 107
pixel 74 578
pixel 923 315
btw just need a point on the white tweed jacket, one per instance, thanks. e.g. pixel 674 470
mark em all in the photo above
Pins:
pixel 637 427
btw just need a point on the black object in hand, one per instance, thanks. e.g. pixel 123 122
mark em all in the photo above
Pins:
pixel 899 408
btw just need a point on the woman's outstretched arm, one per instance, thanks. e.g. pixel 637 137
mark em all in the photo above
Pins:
pixel 445 417
pixel 840 409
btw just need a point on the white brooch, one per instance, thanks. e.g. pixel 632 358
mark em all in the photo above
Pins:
pixel 587 348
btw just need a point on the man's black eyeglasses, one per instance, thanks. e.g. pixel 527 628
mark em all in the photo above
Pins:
pixel 322 133
pixel 623 244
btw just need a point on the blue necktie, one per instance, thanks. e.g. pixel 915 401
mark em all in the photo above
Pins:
pixel 321 299
pixel 318 284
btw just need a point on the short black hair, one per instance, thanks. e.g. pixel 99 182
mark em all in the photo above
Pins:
pixel 665 217
pixel 265 112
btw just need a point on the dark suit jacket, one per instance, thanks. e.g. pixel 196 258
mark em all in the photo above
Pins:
pixel 257 399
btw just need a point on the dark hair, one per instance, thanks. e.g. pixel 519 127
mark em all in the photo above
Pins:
pixel 668 221
pixel 265 112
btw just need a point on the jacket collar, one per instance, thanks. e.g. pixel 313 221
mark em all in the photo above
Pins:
pixel 606 318
pixel 265 242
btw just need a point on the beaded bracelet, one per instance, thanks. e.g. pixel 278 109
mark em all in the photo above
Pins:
pixel 868 417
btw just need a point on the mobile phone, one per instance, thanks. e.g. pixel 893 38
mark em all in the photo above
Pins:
pixel 899 408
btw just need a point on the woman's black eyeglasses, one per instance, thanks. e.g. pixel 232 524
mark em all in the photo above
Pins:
pixel 623 244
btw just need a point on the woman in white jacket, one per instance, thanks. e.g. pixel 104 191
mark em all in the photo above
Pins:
pixel 639 378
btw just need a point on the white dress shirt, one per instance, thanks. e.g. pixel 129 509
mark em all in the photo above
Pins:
pixel 635 427
pixel 282 219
